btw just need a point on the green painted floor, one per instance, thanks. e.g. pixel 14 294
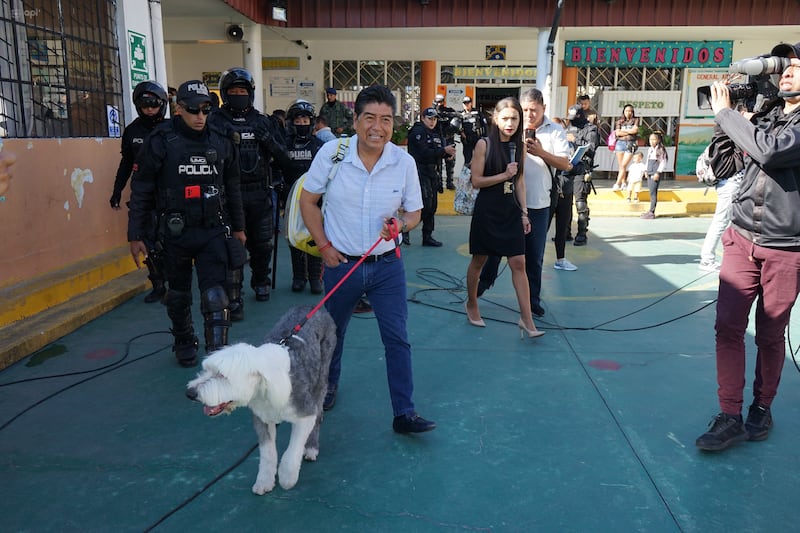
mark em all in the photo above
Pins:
pixel 590 428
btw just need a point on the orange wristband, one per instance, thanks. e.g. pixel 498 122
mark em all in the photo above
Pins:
pixel 325 246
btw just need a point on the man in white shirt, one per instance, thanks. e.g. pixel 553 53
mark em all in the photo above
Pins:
pixel 374 181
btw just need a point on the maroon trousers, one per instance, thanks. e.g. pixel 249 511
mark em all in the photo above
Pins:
pixel 751 272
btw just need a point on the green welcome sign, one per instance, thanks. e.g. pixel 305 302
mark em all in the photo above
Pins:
pixel 668 54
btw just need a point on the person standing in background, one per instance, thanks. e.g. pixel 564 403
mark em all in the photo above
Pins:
pixel 338 115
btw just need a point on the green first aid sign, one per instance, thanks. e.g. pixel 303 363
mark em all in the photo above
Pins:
pixel 137 50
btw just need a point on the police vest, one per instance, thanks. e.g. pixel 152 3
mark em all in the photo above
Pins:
pixel 253 162
pixel 300 152
pixel 191 181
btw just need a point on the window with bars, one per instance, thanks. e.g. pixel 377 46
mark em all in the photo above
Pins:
pixel 400 76
pixel 592 80
pixel 59 68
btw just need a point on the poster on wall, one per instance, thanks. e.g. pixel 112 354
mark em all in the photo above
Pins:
pixel 696 125
pixel 282 86
pixel 137 56
pixel 306 90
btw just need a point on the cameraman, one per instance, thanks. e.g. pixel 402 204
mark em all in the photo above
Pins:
pixel 447 130
pixel 761 258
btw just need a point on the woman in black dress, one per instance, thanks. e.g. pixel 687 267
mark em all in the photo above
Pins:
pixel 500 220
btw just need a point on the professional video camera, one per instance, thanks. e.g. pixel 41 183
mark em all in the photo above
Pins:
pixel 758 71
pixel 451 121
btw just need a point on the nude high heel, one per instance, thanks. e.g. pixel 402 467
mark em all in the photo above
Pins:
pixel 477 323
pixel 532 333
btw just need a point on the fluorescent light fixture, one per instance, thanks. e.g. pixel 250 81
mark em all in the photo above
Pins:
pixel 279 13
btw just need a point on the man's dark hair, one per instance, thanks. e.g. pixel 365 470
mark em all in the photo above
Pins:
pixel 532 95
pixel 320 120
pixel 376 94
pixel 584 97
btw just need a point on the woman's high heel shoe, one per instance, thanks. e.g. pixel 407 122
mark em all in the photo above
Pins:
pixel 532 333
pixel 477 323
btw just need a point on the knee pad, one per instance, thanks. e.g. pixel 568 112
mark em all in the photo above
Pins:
pixel 213 300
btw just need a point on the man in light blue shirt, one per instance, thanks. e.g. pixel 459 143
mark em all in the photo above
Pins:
pixel 374 181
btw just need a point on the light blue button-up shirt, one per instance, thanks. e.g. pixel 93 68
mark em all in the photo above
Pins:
pixel 358 202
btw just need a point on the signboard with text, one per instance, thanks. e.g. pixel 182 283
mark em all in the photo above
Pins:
pixel 667 54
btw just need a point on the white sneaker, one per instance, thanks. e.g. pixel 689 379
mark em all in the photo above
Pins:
pixel 563 264
pixel 615 187
pixel 709 266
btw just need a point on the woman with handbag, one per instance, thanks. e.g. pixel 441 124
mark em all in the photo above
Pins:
pixel 626 131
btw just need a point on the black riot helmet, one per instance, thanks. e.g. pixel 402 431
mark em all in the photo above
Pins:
pixel 237 77
pixel 150 93
pixel 300 108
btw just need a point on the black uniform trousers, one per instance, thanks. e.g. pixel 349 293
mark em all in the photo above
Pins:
pixel 259 225
pixel 202 247
pixel 429 181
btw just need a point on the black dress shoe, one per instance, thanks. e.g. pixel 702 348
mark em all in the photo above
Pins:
pixel 412 423
pixel 330 398
pixel 157 294
pixel 316 286
pixel 262 292
pixel 430 241
pixel 537 310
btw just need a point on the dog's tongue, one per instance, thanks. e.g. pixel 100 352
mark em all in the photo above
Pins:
pixel 211 411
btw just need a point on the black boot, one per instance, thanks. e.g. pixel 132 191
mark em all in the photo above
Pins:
pixel 233 286
pixel 299 274
pixel 157 279
pixel 216 318
pixel 315 274
pixel 179 310
pixel 158 292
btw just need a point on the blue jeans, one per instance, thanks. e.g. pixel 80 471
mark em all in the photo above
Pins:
pixel 384 283
pixel 535 242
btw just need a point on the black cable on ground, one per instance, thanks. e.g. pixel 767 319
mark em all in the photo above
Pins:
pixel 207 486
pixel 95 374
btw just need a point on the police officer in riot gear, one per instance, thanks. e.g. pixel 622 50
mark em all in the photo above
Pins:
pixel 427 147
pixel 189 173
pixel 447 131
pixel 258 142
pixel 473 127
pixel 301 147
pixel 582 132
pixel 150 100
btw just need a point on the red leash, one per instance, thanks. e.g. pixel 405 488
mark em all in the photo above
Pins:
pixel 394 235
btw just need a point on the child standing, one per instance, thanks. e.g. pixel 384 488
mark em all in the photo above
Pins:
pixel 656 165
pixel 636 171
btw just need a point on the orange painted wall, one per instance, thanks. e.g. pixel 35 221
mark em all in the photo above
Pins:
pixel 46 225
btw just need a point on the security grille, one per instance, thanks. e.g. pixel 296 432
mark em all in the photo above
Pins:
pixel 59 68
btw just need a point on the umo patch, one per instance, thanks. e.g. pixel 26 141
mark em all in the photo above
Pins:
pixel 419 136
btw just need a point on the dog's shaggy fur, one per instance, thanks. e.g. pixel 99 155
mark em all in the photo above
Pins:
pixel 278 383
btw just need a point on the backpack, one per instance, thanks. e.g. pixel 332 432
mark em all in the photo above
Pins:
pixel 720 160
pixel 296 231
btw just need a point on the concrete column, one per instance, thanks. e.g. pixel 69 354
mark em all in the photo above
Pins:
pixel 157 29
pixel 569 77
pixel 543 78
pixel 252 62
pixel 427 89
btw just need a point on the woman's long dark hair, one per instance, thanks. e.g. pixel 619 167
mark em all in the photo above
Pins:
pixel 622 118
pixel 500 158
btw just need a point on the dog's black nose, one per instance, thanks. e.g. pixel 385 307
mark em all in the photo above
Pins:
pixel 191 394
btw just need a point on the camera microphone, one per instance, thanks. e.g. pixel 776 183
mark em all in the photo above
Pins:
pixel 757 66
